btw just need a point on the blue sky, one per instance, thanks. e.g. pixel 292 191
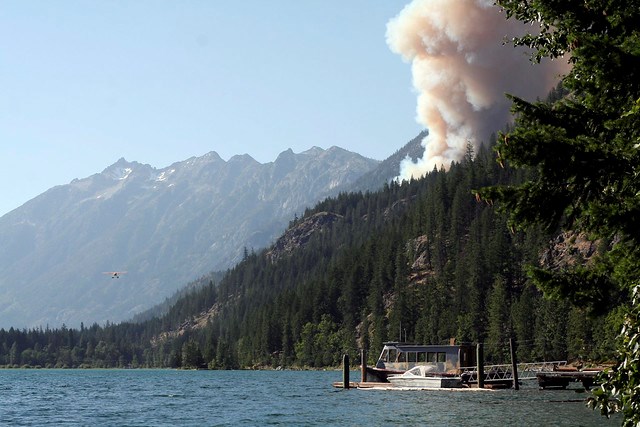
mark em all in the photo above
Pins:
pixel 84 83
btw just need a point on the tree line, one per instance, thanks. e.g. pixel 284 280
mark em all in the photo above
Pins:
pixel 420 261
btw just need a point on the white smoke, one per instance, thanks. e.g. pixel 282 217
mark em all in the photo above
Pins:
pixel 462 69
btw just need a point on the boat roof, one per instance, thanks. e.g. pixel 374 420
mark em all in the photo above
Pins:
pixel 407 347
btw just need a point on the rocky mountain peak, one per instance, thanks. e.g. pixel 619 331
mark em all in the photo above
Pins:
pixel 165 227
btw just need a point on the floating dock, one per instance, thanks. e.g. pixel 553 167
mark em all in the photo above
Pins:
pixel 562 378
pixel 555 374
pixel 389 386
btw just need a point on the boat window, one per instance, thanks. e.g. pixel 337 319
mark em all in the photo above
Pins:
pixel 385 355
pixel 393 354
pixel 413 357
pixel 402 357
pixel 442 357
pixel 431 357
pixel 468 358
pixel 422 357
pixel 453 361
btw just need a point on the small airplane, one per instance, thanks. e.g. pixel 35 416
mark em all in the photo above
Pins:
pixel 114 274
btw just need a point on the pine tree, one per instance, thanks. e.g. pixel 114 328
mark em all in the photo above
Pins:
pixel 585 151
pixel 499 325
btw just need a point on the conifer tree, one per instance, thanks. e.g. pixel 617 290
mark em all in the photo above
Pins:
pixel 585 151
pixel 499 327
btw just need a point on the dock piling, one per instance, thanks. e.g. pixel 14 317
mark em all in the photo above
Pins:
pixel 345 371
pixel 514 364
pixel 480 363
pixel 363 365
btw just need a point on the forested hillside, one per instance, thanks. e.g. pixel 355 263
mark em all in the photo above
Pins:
pixel 421 261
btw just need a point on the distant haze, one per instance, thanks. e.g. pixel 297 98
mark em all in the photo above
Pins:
pixel 165 227
pixel 461 71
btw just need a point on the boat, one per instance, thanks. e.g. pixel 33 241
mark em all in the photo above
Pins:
pixel 424 376
pixel 397 358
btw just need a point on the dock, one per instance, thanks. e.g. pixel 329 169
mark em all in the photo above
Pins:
pixel 389 386
pixel 550 374
pixel 356 384
pixel 562 378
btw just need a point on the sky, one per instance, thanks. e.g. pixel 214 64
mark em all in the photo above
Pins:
pixel 84 83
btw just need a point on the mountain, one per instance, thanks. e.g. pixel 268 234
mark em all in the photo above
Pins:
pixel 422 260
pixel 163 227
pixel 371 181
pixel 389 168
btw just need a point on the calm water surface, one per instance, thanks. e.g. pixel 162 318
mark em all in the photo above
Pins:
pixel 211 398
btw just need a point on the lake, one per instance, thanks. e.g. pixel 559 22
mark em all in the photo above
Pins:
pixel 218 398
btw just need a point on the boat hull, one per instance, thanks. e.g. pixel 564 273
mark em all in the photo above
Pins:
pixel 426 382
pixel 378 375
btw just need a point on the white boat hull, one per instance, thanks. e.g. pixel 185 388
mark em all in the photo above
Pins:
pixel 424 377
pixel 426 382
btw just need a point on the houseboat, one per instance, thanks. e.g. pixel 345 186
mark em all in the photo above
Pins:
pixel 397 358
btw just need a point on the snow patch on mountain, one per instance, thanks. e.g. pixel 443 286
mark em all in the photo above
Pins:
pixel 119 173
pixel 164 175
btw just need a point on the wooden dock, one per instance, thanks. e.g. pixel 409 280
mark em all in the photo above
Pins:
pixel 554 374
pixel 389 386
pixel 562 378
pixel 355 384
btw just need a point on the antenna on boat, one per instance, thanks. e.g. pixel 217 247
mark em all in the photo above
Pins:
pixel 405 333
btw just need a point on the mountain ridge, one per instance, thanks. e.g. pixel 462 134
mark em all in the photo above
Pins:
pixel 195 216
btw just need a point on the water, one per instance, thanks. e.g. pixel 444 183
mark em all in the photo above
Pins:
pixel 219 398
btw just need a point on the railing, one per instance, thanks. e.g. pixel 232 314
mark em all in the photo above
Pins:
pixel 526 371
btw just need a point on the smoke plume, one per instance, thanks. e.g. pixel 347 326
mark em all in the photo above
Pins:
pixel 461 70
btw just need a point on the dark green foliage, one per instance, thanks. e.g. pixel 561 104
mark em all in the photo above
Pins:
pixel 499 328
pixel 191 355
pixel 584 149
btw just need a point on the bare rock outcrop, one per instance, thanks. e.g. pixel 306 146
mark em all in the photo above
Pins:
pixel 298 235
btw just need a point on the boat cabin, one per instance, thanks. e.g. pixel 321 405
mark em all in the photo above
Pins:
pixel 400 357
